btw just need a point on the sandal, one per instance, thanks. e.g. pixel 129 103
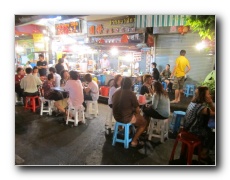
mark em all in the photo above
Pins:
pixel 139 144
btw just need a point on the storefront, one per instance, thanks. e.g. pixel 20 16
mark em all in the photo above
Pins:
pixel 171 36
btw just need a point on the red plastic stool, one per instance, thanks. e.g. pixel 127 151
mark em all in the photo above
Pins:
pixel 189 142
pixel 32 100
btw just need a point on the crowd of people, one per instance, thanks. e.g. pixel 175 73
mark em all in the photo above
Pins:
pixel 122 99
pixel 40 81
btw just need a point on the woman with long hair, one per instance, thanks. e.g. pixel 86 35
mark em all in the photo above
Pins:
pixel 113 88
pixel 160 107
pixel 197 116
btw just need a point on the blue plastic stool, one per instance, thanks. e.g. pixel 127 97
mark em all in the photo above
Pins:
pixel 189 90
pixel 175 125
pixel 126 139
pixel 164 84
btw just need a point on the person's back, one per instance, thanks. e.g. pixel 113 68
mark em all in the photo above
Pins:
pixel 124 105
pixel 181 62
pixel 30 83
pixel 126 109
pixel 161 104
pixel 59 67
pixel 75 89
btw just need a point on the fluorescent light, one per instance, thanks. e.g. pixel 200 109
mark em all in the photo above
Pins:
pixel 114 51
pixel 200 46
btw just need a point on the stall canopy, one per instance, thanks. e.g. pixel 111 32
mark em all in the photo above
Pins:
pixel 143 21
pixel 28 29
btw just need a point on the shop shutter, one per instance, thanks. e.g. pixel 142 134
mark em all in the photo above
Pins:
pixel 168 48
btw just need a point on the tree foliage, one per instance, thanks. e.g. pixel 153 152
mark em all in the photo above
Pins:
pixel 203 24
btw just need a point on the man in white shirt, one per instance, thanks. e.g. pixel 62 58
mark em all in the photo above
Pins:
pixel 105 62
pixel 75 89
pixel 30 84
pixel 57 77
pixel 65 63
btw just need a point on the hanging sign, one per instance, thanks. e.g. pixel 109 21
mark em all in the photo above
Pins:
pixel 68 28
pixel 39 44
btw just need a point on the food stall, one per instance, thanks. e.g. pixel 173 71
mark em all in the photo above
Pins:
pixel 124 46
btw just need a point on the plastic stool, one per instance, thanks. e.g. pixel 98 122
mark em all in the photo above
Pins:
pixel 158 128
pixel 189 90
pixel 164 84
pixel 126 139
pixel 92 108
pixel 176 120
pixel 47 109
pixel 191 142
pixel 79 115
pixel 32 100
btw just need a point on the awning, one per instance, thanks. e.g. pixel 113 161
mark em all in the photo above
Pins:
pixel 143 21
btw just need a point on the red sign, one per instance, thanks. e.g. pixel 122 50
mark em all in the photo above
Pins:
pixel 68 28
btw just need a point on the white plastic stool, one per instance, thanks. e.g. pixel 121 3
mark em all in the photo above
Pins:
pixel 47 109
pixel 91 108
pixel 79 115
pixel 158 128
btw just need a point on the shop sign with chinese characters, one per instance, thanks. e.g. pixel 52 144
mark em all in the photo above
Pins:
pixel 68 28
pixel 111 27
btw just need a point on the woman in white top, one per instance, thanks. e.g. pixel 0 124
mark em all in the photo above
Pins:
pixel 91 92
pixel 160 108
pixel 116 84
pixel 75 89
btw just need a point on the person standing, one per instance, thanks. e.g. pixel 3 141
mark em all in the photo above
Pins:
pixel 65 62
pixel 59 67
pixel 155 72
pixel 181 68
pixel 105 62
pixel 42 65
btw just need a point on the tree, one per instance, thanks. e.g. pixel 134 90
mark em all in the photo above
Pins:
pixel 203 24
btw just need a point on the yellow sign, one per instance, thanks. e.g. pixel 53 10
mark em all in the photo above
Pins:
pixel 39 44
pixel 38 37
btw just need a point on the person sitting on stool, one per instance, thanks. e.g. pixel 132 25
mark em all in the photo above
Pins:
pixel 165 75
pixel 30 85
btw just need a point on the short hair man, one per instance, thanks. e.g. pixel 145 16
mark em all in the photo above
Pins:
pixel 30 84
pixel 182 67
pixel 155 72
pixel 42 65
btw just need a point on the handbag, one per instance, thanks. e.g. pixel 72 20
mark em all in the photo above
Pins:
pixel 55 95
